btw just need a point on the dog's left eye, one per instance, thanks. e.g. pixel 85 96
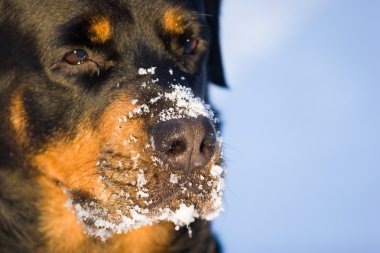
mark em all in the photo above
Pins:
pixel 76 57
pixel 190 46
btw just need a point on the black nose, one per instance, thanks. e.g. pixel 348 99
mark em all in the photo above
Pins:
pixel 184 144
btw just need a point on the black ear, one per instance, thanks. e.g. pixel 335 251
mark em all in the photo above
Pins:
pixel 214 64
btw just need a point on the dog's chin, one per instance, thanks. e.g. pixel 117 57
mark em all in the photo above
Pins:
pixel 102 218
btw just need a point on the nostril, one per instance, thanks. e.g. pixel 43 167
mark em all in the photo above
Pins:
pixel 207 145
pixel 184 144
pixel 204 146
pixel 177 148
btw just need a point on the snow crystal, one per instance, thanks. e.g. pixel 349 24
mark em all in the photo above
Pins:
pixel 216 171
pixel 133 138
pixel 69 203
pixel 152 144
pixel 139 110
pixel 135 157
pixel 141 181
pixel 187 105
pixel 141 194
pixel 217 192
pixel 184 215
pixel 173 179
pixel 154 100
pixel 156 161
pixel 152 70
pixel 142 71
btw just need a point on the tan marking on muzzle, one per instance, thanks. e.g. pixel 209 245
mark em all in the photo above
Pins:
pixel 64 233
pixel 73 163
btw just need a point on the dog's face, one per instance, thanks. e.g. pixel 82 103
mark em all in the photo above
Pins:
pixel 107 101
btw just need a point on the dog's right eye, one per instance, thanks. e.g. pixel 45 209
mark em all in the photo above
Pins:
pixel 76 57
pixel 190 46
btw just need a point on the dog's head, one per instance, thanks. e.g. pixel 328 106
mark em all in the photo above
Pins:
pixel 107 99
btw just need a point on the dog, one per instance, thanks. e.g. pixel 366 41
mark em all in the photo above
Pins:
pixel 107 143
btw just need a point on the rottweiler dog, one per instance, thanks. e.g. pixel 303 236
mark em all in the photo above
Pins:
pixel 107 143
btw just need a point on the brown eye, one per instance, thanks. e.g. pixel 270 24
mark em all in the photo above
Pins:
pixel 190 46
pixel 76 57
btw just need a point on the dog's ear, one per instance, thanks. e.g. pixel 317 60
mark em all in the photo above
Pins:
pixel 214 64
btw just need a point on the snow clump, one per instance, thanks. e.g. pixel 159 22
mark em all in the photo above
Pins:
pixel 186 105
pixel 103 228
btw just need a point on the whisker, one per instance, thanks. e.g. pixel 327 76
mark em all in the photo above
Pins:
pixel 82 177
pixel 204 14
pixel 86 175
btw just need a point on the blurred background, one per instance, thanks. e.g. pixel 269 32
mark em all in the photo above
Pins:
pixel 301 126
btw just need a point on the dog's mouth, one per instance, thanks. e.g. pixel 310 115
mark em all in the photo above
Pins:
pixel 156 194
pixel 142 179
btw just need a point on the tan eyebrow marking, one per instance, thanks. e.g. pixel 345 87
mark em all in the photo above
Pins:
pixel 173 21
pixel 100 29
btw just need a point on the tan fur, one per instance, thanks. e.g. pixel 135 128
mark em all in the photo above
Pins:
pixel 173 21
pixel 56 159
pixel 65 234
pixel 155 238
pixel 100 29
pixel 57 162
pixel 59 171
pixel 18 116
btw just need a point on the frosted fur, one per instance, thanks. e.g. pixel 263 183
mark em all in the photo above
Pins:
pixel 183 216
pixel 185 104
pixel 143 71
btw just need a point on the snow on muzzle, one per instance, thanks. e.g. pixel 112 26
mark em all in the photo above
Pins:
pixel 161 177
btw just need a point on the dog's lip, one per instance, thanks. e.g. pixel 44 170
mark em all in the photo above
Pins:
pixel 175 192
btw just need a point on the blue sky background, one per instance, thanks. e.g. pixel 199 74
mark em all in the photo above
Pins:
pixel 302 126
